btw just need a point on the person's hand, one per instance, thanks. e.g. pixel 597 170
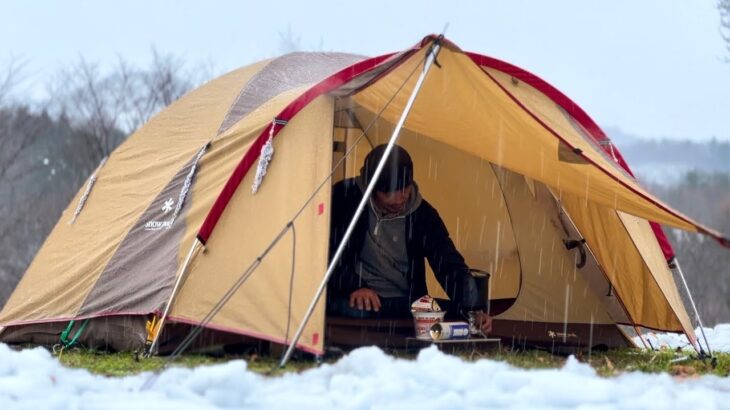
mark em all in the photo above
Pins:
pixel 365 299
pixel 484 322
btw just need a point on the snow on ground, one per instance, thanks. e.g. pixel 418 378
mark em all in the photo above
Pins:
pixel 719 339
pixel 366 378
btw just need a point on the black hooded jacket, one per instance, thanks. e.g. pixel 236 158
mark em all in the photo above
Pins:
pixel 426 238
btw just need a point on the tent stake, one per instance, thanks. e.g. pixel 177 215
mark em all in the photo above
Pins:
pixel 433 52
pixel 694 307
pixel 175 289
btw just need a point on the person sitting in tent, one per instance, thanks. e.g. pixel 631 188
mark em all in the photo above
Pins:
pixel 382 268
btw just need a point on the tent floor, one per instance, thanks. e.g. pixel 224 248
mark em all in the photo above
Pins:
pixel 125 333
pixel 398 334
pixel 349 333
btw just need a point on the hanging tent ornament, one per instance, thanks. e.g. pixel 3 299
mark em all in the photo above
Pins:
pixel 85 195
pixel 267 153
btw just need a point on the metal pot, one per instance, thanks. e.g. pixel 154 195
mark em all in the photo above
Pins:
pixel 476 291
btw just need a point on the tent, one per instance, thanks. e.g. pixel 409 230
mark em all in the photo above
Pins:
pixel 215 214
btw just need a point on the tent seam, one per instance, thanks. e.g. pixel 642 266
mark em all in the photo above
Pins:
pixel 700 228
pixel 326 85
pixel 583 120
pixel 132 226
pixel 221 328
pixel 519 254
pixel 601 268
pixel 238 96
pixel 80 317
pixel 631 238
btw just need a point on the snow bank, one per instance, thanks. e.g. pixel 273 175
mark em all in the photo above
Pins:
pixel 366 378
pixel 719 339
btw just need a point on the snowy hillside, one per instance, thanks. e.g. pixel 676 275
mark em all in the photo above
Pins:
pixel 366 378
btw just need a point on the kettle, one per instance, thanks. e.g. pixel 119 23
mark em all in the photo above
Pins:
pixel 475 295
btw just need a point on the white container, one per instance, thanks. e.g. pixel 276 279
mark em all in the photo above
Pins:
pixel 423 322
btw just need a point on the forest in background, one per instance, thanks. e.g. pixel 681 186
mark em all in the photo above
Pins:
pixel 49 148
pixel 704 196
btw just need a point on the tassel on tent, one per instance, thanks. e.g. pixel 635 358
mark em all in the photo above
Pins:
pixel 267 153
pixel 85 196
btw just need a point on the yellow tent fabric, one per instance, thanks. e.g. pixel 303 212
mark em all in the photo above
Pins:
pixel 58 280
pixel 513 176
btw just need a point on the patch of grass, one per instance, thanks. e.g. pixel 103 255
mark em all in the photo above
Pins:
pixel 614 362
pixel 126 363
pixel 608 363
pixel 269 365
pixel 681 364
pixel 526 359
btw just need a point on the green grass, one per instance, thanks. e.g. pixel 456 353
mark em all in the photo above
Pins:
pixel 615 362
pixel 124 364
pixel 682 364
pixel 609 363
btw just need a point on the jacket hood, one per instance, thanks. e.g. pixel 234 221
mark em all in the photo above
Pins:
pixel 414 201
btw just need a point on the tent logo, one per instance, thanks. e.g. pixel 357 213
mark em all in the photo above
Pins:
pixel 157 225
pixel 167 206
pixel 554 335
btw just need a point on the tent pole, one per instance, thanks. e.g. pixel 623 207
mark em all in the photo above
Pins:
pixel 562 213
pixel 178 282
pixel 641 337
pixel 433 52
pixel 694 307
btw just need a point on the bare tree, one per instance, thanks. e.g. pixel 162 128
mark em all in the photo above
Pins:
pixel 45 157
pixel 704 261
pixel 289 42
pixel 105 107
pixel 724 7
pixel 12 118
pixel 147 91
pixel 10 77
pixel 90 99
pixel 19 132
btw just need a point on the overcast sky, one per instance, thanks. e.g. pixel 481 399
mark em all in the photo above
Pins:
pixel 651 68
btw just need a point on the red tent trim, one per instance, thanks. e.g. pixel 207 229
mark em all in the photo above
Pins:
pixel 343 76
pixel 716 235
pixel 336 80
pixel 580 116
